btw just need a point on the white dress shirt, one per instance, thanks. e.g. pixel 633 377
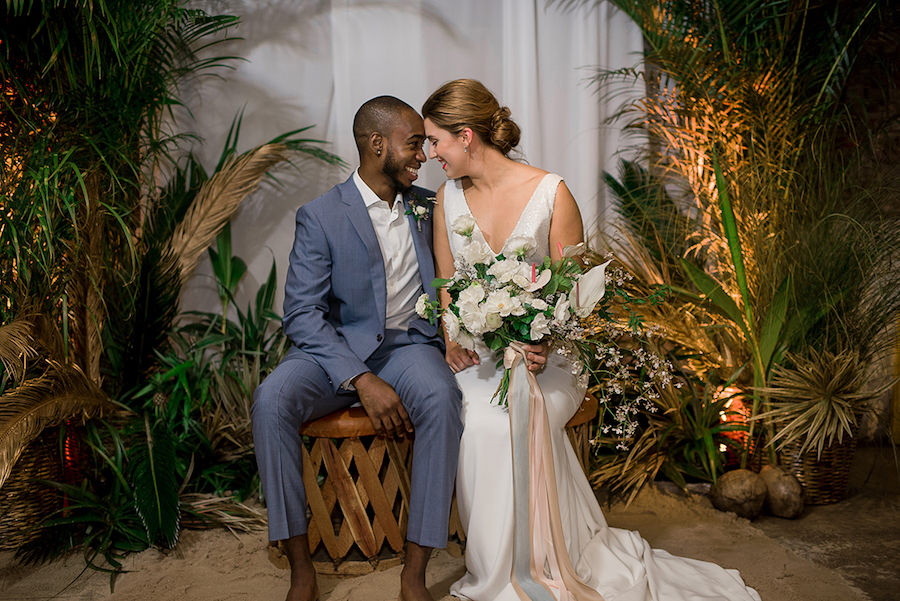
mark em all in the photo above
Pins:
pixel 401 269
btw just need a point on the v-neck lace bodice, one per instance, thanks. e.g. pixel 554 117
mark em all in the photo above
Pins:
pixel 533 224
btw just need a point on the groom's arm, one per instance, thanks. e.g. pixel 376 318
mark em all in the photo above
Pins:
pixel 306 294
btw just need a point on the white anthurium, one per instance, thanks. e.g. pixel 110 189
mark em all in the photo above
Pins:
pixel 463 225
pixel 540 281
pixel 588 290
pixel 574 250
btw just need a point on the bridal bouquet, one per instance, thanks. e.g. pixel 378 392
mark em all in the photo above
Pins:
pixel 502 299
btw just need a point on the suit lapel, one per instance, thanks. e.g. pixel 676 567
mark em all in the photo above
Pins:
pixel 362 223
pixel 421 241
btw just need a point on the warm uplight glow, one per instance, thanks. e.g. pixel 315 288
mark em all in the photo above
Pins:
pixel 737 411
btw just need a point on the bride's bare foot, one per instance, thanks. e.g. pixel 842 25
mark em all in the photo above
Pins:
pixel 412 577
pixel 303 575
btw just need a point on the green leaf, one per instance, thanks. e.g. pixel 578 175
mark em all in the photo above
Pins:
pixel 713 291
pixel 155 484
pixel 734 242
pixel 773 323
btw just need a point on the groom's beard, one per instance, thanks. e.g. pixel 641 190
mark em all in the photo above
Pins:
pixel 394 170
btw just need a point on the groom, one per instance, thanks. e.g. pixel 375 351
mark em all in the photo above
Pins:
pixel 358 265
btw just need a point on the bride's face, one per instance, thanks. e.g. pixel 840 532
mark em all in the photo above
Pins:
pixel 449 149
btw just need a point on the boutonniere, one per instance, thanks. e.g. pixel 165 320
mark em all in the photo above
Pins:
pixel 419 207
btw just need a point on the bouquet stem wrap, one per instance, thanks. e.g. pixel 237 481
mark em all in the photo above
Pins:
pixel 541 562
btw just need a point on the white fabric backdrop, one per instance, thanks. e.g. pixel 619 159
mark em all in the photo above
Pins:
pixel 315 61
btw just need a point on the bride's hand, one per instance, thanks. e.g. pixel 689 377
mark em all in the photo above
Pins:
pixel 459 358
pixel 535 356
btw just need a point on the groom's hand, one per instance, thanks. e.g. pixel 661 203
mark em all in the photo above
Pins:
pixel 380 400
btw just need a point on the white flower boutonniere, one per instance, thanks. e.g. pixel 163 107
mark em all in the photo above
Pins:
pixel 419 207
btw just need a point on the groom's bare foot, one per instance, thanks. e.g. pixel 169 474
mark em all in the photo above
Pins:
pixel 412 578
pixel 303 575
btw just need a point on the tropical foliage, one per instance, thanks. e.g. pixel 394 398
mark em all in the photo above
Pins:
pixel 103 217
pixel 760 202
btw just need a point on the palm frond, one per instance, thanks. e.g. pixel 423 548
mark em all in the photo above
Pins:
pixel 153 475
pixel 17 347
pixel 48 400
pixel 217 201
pixel 210 511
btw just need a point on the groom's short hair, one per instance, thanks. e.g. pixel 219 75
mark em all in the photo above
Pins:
pixel 377 115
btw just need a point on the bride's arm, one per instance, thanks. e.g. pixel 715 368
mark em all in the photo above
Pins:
pixel 565 226
pixel 457 357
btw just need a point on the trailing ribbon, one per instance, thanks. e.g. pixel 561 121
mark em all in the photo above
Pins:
pixel 541 562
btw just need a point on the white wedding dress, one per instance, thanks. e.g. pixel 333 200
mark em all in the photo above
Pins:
pixel 618 564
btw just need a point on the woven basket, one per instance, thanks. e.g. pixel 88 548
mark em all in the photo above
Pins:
pixel 824 479
pixel 23 502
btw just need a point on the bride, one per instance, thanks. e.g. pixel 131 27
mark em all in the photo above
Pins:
pixel 471 136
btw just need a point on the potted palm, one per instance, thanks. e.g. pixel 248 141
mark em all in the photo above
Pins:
pixel 816 401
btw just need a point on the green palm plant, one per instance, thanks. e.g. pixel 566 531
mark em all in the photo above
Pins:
pixel 817 399
pixel 93 251
pixel 760 204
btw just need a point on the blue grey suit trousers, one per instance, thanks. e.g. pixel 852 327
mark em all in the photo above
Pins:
pixel 299 390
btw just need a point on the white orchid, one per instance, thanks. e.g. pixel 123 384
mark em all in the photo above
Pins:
pixel 463 225
pixel 589 289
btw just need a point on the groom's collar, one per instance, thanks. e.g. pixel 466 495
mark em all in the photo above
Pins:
pixel 368 195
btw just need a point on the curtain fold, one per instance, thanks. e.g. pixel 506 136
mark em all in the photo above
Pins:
pixel 315 62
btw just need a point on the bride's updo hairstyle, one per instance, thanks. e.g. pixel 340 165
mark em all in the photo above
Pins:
pixel 463 103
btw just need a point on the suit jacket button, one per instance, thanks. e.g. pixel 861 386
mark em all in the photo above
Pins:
pixel 379 337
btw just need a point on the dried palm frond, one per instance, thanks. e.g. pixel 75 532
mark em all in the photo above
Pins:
pixel 209 511
pixel 49 400
pixel 17 347
pixel 627 474
pixel 217 201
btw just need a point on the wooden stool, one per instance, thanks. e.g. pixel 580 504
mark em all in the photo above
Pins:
pixel 357 484
pixel 579 430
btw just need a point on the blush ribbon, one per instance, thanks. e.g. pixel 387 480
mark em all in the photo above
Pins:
pixel 541 563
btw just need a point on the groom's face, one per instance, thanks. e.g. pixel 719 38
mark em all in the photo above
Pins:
pixel 404 152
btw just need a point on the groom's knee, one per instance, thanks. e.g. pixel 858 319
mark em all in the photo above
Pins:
pixel 438 405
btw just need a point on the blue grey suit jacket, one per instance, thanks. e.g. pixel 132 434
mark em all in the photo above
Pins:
pixel 335 293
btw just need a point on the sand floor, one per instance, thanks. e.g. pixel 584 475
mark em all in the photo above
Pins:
pixel 218 566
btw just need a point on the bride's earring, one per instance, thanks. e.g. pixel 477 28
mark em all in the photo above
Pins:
pixel 466 148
